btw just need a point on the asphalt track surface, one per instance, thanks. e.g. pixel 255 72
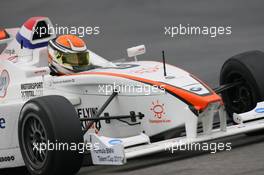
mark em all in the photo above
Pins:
pixel 126 23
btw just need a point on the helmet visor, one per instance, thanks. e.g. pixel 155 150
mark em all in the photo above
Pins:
pixel 75 59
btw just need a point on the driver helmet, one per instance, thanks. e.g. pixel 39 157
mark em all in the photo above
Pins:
pixel 68 54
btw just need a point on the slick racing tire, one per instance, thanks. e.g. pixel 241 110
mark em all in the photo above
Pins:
pixel 48 121
pixel 248 68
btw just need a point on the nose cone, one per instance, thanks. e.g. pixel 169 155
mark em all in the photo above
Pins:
pixel 178 83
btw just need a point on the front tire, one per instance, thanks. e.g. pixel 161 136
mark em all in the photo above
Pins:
pixel 50 120
pixel 247 68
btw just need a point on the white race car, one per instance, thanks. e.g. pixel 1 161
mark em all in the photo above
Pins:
pixel 118 110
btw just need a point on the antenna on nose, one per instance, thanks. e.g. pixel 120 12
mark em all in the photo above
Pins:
pixel 164 63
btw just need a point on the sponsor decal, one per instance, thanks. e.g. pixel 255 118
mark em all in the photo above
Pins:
pixel 110 158
pixel 30 90
pixel 259 110
pixel 10 51
pixel 196 89
pixel 115 142
pixel 2 123
pixel 87 113
pixel 147 70
pixel 108 155
pixel 105 151
pixel 12 55
pixel 63 81
pixel 158 110
pixel 40 72
pixel 13 58
pixel 4 82
pixel 7 159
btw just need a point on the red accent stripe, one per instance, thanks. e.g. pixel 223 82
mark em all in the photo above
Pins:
pixel 30 23
pixel 199 102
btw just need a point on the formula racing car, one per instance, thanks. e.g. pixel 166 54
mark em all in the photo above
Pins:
pixel 122 110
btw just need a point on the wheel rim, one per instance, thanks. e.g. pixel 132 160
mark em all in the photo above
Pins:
pixel 33 133
pixel 243 99
pixel 240 98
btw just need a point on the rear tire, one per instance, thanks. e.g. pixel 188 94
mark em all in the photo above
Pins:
pixel 50 119
pixel 247 67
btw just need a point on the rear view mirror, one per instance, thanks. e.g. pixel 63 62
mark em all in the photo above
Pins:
pixel 135 51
